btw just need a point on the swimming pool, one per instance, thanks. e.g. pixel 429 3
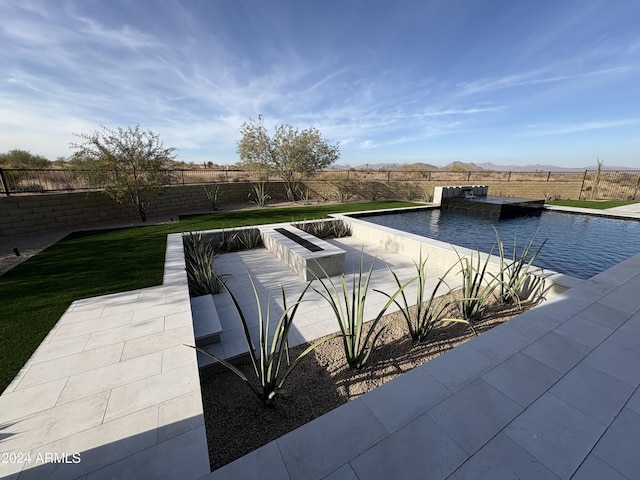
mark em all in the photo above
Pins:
pixel 577 245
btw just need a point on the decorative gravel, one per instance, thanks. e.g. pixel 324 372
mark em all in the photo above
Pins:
pixel 237 422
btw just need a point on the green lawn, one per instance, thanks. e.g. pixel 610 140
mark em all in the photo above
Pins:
pixel 599 204
pixel 86 264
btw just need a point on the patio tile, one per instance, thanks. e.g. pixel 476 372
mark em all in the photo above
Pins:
pixel 70 365
pixel 420 447
pixel 98 446
pixel 265 463
pixel 628 336
pixel 408 396
pixel 74 316
pixel 598 395
pixel 110 376
pixel 178 320
pixel 159 461
pixel 557 434
pixel 474 414
pixel 125 332
pixel 60 348
pixel 91 325
pixel 500 342
pixel 61 421
pixel 557 352
pixel 634 402
pixel 157 342
pixel 522 378
pixel 605 315
pixel 625 297
pixel 151 390
pixel 534 323
pixel 179 415
pixel 583 331
pixel 328 442
pixel 343 473
pixel 21 403
pixel 617 361
pixel 177 357
pixel 459 366
pixel 502 458
pixel 595 469
pixel 618 447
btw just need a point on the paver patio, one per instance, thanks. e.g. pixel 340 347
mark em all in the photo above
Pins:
pixel 551 394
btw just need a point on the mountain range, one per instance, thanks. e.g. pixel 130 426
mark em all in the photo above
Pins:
pixel 462 166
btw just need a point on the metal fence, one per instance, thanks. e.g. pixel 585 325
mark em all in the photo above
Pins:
pixel 605 184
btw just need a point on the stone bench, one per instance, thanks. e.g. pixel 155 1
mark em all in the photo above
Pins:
pixel 305 254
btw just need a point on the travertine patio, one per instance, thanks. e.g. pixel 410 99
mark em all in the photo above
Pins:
pixel 551 394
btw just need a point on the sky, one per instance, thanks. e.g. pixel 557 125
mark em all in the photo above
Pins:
pixel 402 81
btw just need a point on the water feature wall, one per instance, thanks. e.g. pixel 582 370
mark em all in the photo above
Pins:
pixel 473 200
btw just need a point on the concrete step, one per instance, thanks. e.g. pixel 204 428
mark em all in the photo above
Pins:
pixel 206 323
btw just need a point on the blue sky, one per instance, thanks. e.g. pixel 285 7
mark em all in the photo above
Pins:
pixel 511 82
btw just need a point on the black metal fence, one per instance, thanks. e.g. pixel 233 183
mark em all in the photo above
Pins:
pixel 604 184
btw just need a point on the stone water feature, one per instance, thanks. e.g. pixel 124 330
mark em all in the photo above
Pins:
pixel 474 200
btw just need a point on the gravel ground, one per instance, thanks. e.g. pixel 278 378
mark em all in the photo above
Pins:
pixel 237 422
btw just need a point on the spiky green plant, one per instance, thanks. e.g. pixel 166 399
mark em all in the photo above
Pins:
pixel 199 255
pixel 340 229
pixel 517 282
pixel 348 308
pixel 259 194
pixel 428 311
pixel 477 288
pixel 269 358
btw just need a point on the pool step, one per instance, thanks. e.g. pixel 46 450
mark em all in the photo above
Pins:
pixel 206 323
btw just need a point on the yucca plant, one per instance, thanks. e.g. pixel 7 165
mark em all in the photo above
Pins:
pixel 427 312
pixel 340 229
pixel 269 358
pixel 259 194
pixel 477 290
pixel 348 308
pixel 199 255
pixel 516 282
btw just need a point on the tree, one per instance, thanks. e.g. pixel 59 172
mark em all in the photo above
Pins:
pixel 17 158
pixel 129 163
pixel 290 154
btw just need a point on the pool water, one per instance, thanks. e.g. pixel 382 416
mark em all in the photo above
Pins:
pixel 577 245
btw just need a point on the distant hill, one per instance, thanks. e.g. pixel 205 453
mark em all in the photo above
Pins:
pixel 469 166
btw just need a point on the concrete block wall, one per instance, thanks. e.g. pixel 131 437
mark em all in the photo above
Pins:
pixel 31 214
pixel 416 189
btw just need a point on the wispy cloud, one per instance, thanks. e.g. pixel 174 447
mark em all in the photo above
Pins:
pixel 561 129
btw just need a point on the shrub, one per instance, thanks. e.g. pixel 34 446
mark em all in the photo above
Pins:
pixel 199 255
pixel 267 362
pixel 516 282
pixel 259 194
pixel 348 308
pixel 428 312
pixel 477 291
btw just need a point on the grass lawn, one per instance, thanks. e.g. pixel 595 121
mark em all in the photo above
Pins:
pixel 599 204
pixel 86 264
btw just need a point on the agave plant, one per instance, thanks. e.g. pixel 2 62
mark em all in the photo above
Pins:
pixel 340 229
pixel 268 360
pixel 199 255
pixel 427 312
pixel 516 282
pixel 477 289
pixel 348 309
pixel 259 194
